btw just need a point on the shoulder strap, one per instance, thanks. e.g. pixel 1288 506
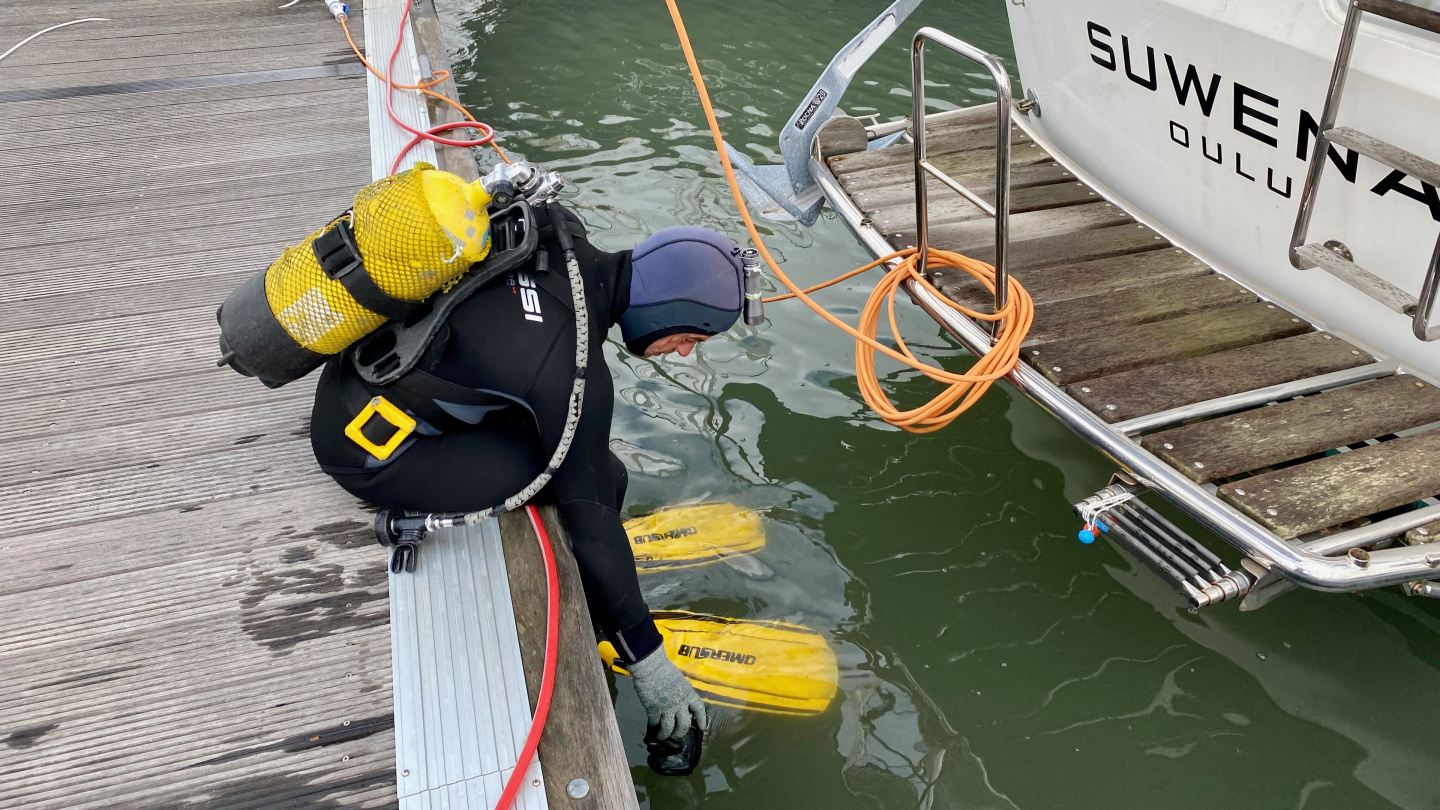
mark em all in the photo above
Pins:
pixel 340 260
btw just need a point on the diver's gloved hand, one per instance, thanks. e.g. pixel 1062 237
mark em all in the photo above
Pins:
pixel 671 703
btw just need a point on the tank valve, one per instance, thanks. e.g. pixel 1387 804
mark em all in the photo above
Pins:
pixel 508 181
pixel 754 306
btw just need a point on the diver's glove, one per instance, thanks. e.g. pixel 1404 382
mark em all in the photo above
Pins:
pixel 671 703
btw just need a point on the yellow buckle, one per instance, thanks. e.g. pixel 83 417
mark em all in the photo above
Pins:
pixel 402 422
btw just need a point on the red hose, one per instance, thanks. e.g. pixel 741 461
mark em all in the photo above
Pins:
pixel 552 648
pixel 423 135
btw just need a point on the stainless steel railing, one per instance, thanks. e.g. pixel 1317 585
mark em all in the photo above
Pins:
pixel 1000 211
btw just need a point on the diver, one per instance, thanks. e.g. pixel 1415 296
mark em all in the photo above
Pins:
pixel 490 399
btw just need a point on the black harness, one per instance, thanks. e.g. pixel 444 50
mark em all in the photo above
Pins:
pixel 386 359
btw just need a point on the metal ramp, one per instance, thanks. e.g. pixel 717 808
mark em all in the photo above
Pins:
pixel 461 708
pixel 1301 450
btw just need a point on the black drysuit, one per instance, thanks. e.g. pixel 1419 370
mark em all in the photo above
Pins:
pixel 516 337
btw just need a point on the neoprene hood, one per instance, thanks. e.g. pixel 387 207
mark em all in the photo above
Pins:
pixel 682 279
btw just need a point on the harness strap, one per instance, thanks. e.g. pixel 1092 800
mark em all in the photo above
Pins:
pixel 425 384
pixel 340 260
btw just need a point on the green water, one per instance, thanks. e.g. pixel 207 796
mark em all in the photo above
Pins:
pixel 988 660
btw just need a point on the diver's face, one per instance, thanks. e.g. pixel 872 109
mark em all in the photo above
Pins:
pixel 683 344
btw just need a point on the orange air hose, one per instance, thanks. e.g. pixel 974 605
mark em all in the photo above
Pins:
pixel 962 390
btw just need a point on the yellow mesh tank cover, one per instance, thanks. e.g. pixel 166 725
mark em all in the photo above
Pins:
pixel 417 231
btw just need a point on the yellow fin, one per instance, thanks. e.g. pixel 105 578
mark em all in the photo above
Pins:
pixel 757 665
pixel 687 536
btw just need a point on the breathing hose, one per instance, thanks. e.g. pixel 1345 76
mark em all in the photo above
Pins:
pixel 962 390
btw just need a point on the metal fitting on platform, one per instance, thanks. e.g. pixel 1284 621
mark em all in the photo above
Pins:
pixel 1423 588
pixel 1233 585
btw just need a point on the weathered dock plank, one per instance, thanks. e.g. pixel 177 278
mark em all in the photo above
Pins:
pixel 581 740
pixel 1055 283
pixel 970 162
pixel 946 138
pixel 1072 248
pixel 1128 347
pixel 205 622
pixel 965 237
pixel 1129 394
pixel 1181 296
pixel 962 124
pixel 1262 437
pixel 954 208
pixel 1342 487
pixel 901 193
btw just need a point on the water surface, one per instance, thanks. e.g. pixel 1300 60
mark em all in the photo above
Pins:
pixel 988 660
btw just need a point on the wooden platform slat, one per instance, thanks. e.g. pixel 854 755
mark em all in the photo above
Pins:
pixel 1429 533
pixel 1340 488
pixel 954 208
pixel 1128 347
pixel 161 70
pixel 1262 437
pixel 1077 316
pixel 1183 296
pixel 957 125
pixel 1072 248
pixel 965 237
pixel 971 162
pixel 946 138
pixel 584 742
pixel 1048 285
pixel 236 100
pixel 902 192
pixel 1156 388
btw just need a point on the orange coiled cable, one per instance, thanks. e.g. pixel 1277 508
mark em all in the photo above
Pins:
pixel 962 390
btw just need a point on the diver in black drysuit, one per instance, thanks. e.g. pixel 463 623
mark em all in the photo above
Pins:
pixel 515 341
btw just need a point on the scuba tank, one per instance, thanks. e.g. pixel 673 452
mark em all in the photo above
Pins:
pixel 407 237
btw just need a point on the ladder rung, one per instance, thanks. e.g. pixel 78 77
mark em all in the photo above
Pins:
pixel 1358 277
pixel 1387 153
pixel 1406 13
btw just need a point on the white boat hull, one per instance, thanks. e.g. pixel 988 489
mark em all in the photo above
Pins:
pixel 1200 114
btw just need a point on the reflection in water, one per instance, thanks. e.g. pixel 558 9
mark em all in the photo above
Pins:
pixel 988 660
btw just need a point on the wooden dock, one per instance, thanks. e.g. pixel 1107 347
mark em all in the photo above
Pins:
pixel 1143 335
pixel 194 615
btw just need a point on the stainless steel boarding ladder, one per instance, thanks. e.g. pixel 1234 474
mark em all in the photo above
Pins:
pixel 1333 256
pixel 1000 211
